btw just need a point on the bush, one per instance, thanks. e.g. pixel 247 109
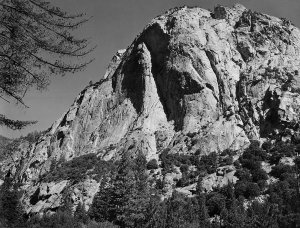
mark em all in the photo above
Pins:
pixel 77 168
pixel 281 150
pixel 227 161
pixel 243 174
pixel 215 203
pixel 278 170
pixel 159 184
pixel 297 162
pixel 227 152
pixel 168 161
pixel 184 181
pixel 247 189
pixel 184 168
pixel 152 164
pixel 262 184
pixel 209 162
pixel 259 174
pixel 252 190
pixel 240 188
pixel 237 164
pixel 266 146
pixel 59 219
pixel 254 152
pixel 251 164
pixel 33 136
pixel 94 224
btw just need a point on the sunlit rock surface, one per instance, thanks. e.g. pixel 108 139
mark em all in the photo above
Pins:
pixel 193 79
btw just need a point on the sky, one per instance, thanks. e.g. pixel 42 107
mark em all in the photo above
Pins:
pixel 113 26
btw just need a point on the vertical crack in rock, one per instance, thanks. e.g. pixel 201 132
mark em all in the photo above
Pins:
pixel 219 79
pixel 177 86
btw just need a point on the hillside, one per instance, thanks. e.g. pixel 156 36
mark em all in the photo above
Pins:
pixel 197 94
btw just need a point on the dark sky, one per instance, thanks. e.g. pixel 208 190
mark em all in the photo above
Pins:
pixel 114 25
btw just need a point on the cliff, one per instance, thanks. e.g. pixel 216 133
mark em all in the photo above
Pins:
pixel 192 81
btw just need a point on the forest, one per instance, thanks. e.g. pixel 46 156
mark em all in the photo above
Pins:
pixel 37 42
pixel 130 197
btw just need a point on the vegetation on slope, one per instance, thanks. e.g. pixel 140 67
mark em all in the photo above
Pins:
pixel 129 198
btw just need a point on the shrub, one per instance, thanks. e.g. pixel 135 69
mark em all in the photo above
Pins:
pixel 209 162
pixel 159 184
pixel 194 159
pixel 227 161
pixel 262 184
pixel 227 152
pixel 215 203
pixel 259 174
pixel 152 164
pixel 77 168
pixel 198 152
pixel 184 168
pixel 240 188
pixel 183 181
pixel 243 174
pixel 59 219
pixel 250 164
pixel 252 190
pixel 278 170
pixel 247 189
pixel 266 146
pixel 237 164
pixel 281 150
pixel 168 161
pixel 297 162
pixel 94 224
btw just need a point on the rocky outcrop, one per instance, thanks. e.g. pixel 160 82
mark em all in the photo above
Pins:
pixel 221 178
pixel 192 80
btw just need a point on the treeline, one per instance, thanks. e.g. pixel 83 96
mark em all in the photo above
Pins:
pixel 129 198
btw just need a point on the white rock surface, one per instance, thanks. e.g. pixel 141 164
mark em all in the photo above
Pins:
pixel 193 79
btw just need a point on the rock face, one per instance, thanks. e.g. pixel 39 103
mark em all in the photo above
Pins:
pixel 193 79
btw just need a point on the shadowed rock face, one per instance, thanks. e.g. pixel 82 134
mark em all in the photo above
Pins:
pixel 192 79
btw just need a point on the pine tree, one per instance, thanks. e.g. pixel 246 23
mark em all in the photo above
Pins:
pixel 135 209
pixel 125 196
pixel 234 215
pixel 80 214
pixel 115 191
pixel 203 212
pixel 11 210
pixel 103 208
pixel 156 212
pixel 36 43
pixel 123 184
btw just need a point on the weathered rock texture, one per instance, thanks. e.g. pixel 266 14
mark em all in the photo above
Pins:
pixel 193 79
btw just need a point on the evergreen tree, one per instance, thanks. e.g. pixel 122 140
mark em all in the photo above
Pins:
pixel 156 213
pixel 203 212
pixel 122 186
pixel 124 196
pixel 175 210
pixel 135 208
pixel 234 214
pixel 80 214
pixel 262 215
pixel 103 208
pixel 36 42
pixel 11 210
